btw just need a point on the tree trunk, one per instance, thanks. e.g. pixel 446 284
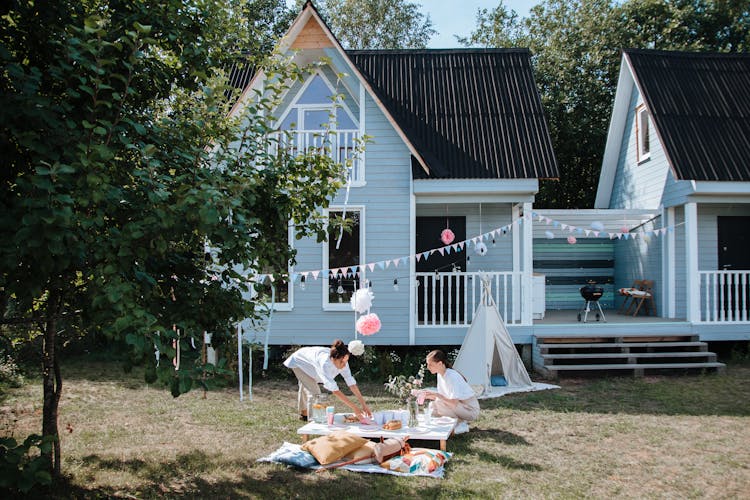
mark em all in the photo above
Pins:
pixel 52 380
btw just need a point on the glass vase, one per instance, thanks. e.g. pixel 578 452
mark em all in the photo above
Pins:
pixel 413 407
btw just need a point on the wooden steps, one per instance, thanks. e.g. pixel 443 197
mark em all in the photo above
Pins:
pixel 637 353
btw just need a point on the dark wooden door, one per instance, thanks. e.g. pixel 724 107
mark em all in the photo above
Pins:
pixel 733 240
pixel 446 297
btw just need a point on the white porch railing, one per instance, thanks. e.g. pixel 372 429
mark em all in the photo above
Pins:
pixel 341 143
pixel 450 299
pixel 724 296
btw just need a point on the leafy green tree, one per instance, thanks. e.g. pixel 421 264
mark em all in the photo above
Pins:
pixel 122 164
pixel 376 24
pixel 576 49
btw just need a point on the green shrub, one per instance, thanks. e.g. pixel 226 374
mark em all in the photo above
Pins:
pixel 19 471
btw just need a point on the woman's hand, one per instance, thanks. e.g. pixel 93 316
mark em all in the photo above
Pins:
pixel 366 410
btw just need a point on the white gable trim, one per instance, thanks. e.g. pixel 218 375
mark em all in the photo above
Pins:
pixel 616 131
pixel 340 103
pixel 286 42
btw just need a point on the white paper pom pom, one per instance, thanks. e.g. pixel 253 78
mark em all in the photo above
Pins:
pixel 362 300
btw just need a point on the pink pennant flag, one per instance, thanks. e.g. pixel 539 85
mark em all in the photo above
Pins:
pixel 596 233
pixel 371 266
pixel 419 257
pixel 442 251
pixel 461 244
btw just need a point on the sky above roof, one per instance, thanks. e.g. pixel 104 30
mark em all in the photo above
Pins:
pixel 458 17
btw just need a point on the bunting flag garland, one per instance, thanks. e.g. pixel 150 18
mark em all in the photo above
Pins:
pixel 596 231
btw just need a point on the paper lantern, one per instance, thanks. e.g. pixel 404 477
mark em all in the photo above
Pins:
pixel 447 236
pixel 356 347
pixel 572 240
pixel 362 300
pixel 550 235
pixel 368 324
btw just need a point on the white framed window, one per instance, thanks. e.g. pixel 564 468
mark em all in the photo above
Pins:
pixel 313 112
pixel 643 133
pixel 281 290
pixel 343 251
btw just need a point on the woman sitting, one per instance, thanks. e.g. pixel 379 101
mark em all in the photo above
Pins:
pixel 320 365
pixel 454 397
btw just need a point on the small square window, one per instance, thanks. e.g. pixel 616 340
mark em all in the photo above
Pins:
pixel 643 132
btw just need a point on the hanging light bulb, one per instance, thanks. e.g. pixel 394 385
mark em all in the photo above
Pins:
pixel 493 242
pixel 395 285
pixel 340 289
pixel 437 275
pixel 302 283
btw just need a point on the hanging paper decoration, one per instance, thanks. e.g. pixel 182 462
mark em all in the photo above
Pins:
pixel 447 236
pixel 572 240
pixel 362 300
pixel 550 235
pixel 597 226
pixel 356 347
pixel 480 248
pixel 368 324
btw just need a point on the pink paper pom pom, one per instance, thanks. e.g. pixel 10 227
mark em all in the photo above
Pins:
pixel 368 324
pixel 447 236
pixel 572 240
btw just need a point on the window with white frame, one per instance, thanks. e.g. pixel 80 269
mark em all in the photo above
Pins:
pixel 316 111
pixel 279 289
pixel 344 249
pixel 643 131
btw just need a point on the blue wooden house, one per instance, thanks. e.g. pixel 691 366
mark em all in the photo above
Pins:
pixel 679 145
pixel 458 140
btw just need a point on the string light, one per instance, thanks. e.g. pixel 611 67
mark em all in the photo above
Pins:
pixel 302 283
pixel 395 285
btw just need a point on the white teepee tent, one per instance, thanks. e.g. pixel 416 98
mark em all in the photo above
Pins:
pixel 488 350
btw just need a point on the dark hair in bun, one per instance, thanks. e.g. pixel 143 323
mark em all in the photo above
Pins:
pixel 439 356
pixel 339 349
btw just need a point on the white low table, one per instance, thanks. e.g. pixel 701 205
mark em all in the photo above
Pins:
pixel 440 429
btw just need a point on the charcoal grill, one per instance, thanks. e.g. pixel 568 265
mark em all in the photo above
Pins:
pixel 591 295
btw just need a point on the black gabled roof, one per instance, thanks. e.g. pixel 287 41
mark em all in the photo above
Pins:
pixel 470 113
pixel 700 105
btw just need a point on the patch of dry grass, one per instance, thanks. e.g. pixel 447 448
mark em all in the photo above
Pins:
pixel 686 437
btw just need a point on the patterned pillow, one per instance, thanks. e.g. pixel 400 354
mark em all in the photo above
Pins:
pixel 418 461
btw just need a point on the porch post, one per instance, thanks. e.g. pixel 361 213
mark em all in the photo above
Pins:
pixel 668 264
pixel 691 259
pixel 528 265
pixel 412 266
pixel 514 216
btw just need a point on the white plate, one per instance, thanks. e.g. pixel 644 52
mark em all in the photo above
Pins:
pixel 416 430
pixel 442 420
pixel 366 427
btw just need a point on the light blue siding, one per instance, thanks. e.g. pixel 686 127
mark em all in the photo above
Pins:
pixel 386 196
pixel 639 185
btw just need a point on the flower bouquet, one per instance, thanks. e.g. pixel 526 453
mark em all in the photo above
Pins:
pixel 402 386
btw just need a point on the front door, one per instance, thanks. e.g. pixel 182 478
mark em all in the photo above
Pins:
pixel 733 240
pixel 440 298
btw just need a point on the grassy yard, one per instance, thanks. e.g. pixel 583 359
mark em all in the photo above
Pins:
pixel 670 436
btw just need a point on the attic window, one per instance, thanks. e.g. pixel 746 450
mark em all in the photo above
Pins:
pixel 643 129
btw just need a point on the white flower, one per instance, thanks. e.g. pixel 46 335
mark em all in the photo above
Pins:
pixel 356 347
pixel 362 300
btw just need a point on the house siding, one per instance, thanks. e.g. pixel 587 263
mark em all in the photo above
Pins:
pixel 639 185
pixel 386 196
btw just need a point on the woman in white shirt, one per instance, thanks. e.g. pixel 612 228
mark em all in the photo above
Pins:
pixel 454 397
pixel 320 365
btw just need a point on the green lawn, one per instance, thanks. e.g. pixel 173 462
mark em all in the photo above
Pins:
pixel 666 436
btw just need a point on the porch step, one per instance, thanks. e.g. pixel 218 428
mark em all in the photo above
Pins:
pixel 638 353
pixel 709 356
pixel 622 345
pixel 637 368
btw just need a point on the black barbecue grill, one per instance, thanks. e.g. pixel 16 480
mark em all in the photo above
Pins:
pixel 591 294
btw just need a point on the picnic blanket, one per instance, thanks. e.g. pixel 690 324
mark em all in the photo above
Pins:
pixel 498 391
pixel 292 454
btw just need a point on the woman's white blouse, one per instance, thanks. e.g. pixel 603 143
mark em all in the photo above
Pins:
pixel 317 363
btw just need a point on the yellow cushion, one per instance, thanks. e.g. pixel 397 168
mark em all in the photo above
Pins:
pixel 362 454
pixel 330 448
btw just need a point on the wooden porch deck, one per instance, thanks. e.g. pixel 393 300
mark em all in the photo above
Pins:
pixel 570 317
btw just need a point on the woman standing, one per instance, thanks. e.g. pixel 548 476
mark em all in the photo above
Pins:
pixel 454 397
pixel 320 365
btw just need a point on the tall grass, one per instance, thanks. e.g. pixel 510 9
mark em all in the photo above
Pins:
pixel 664 436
